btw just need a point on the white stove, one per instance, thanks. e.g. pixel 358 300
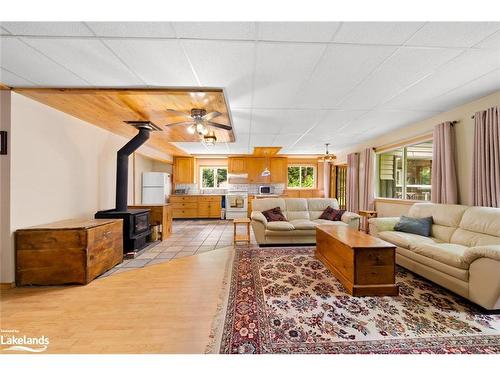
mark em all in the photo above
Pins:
pixel 236 204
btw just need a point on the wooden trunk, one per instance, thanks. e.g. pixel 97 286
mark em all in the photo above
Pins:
pixel 68 252
pixel 365 265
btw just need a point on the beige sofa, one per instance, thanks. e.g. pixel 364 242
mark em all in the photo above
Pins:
pixel 462 254
pixel 302 215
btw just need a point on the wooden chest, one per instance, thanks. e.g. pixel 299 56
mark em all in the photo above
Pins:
pixel 365 265
pixel 68 251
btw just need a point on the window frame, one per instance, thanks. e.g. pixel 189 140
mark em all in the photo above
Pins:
pixel 214 168
pixel 315 177
pixel 404 168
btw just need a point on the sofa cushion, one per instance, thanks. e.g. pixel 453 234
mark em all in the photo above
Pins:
pixel 268 203
pixel 470 239
pixel 458 273
pixel 280 226
pixel 297 215
pixel 445 217
pixel 303 224
pixel 274 214
pixel 403 239
pixel 316 206
pixel 328 222
pixel 447 253
pixel 332 214
pixel 421 226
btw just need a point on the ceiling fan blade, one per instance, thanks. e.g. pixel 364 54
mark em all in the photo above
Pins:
pixel 181 123
pixel 220 126
pixel 178 113
pixel 211 115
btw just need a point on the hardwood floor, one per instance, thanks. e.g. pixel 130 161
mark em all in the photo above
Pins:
pixel 165 308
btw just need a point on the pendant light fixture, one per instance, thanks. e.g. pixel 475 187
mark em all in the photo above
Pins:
pixel 327 157
pixel 209 139
pixel 266 172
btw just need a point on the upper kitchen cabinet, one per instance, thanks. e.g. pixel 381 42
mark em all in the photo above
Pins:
pixel 255 166
pixel 183 170
pixel 237 165
pixel 279 170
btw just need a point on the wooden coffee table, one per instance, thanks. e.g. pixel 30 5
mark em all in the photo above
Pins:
pixel 365 265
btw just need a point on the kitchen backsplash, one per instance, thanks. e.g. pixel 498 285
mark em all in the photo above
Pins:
pixel 251 188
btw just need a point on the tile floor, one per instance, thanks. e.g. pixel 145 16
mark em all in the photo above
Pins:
pixel 189 237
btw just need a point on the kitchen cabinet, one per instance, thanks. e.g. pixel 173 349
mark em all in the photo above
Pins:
pixel 304 193
pixel 279 170
pixel 183 172
pixel 237 165
pixel 196 206
pixel 255 166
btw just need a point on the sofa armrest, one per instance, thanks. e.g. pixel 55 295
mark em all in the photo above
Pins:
pixel 258 216
pixel 351 219
pixel 382 224
pixel 485 251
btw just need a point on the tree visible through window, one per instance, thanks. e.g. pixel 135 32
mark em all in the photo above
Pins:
pixel 213 177
pixel 301 176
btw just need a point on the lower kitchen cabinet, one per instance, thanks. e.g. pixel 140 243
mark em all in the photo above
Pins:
pixel 196 206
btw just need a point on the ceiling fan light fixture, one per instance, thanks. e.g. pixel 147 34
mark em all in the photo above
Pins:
pixel 191 129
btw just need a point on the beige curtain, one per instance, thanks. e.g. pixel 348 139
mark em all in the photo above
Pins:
pixel 444 173
pixel 367 179
pixel 486 159
pixel 353 182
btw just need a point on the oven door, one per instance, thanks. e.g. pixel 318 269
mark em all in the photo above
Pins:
pixel 236 202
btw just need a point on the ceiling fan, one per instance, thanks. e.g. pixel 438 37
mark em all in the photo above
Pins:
pixel 199 121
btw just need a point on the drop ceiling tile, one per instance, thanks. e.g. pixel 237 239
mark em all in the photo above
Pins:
pixel 485 85
pixel 334 122
pixel 281 70
pixel 467 67
pixel 276 121
pixel 24 61
pixel 401 70
pixel 3 31
pixel 453 34
pixel 225 64
pixel 386 120
pixel 490 42
pixel 376 32
pixel 133 29
pixel 157 62
pixel 88 58
pixel 261 140
pixel 241 120
pixel 340 69
pixel 286 140
pixel 215 30
pixel 297 31
pixel 12 80
pixel 47 28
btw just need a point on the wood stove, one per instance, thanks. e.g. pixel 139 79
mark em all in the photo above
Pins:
pixel 135 221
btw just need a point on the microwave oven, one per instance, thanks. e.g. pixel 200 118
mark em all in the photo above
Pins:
pixel 265 190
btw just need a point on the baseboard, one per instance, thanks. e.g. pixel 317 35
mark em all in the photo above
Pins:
pixel 5 286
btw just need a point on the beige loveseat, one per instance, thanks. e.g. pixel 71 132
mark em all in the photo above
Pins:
pixel 302 215
pixel 462 254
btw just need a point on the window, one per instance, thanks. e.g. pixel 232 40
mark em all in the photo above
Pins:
pixel 301 176
pixel 405 173
pixel 213 177
pixel 339 173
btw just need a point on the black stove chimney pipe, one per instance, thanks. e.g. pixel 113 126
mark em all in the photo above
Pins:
pixel 122 166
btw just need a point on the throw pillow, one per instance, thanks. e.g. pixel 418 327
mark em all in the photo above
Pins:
pixel 332 214
pixel 274 214
pixel 420 226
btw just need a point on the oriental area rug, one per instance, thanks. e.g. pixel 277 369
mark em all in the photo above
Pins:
pixel 283 300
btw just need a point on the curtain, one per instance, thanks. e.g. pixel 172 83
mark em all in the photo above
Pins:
pixel 367 180
pixel 326 179
pixel 444 173
pixel 352 182
pixel 486 159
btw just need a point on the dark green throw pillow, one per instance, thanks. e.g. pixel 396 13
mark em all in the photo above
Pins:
pixel 420 226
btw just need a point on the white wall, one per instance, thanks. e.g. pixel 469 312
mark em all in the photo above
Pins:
pixel 464 142
pixel 61 167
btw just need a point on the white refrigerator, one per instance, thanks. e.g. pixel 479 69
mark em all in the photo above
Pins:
pixel 156 187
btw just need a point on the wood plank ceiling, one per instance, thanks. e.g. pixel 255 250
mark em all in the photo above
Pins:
pixel 109 108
